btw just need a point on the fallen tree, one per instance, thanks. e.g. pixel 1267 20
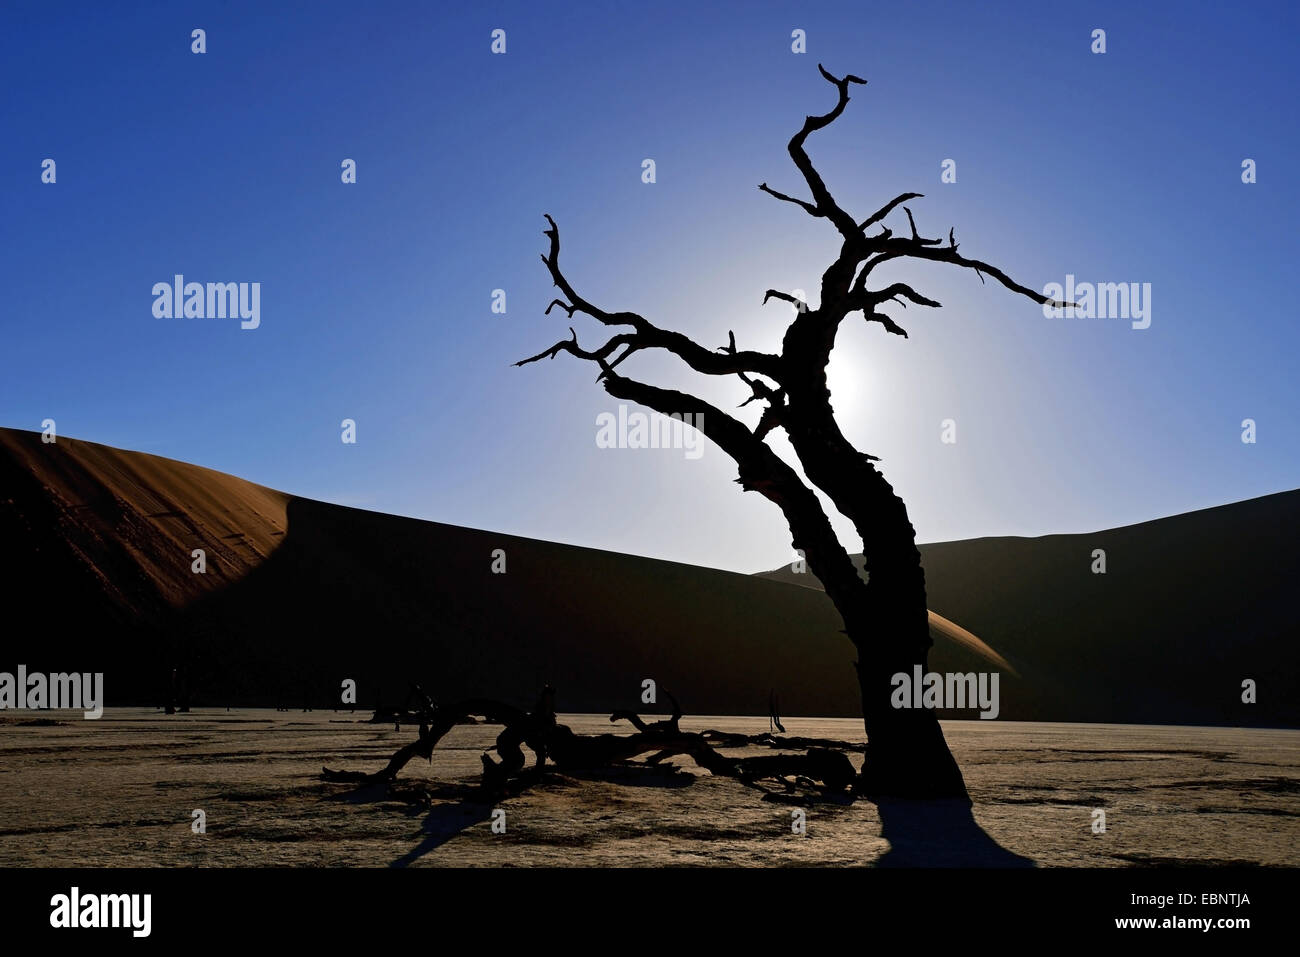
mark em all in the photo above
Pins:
pixel 822 767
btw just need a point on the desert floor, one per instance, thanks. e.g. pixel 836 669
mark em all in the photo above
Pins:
pixel 121 791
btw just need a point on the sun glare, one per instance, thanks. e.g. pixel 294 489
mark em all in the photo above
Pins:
pixel 853 384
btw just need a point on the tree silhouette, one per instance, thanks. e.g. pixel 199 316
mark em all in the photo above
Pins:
pixel 885 615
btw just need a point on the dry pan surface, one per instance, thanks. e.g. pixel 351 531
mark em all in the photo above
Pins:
pixel 121 791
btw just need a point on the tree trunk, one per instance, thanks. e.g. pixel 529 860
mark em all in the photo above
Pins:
pixel 888 623
pixel 906 754
pixel 888 619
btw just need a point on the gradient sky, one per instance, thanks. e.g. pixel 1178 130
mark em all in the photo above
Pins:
pixel 1120 167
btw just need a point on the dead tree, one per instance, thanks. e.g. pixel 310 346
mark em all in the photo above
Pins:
pixel 550 740
pixel 885 615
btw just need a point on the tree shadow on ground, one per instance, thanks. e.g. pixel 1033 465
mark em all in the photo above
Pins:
pixel 638 776
pixel 939 834
pixel 455 808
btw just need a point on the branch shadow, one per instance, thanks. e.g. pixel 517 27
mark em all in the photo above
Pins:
pixel 939 834
pixel 448 819
pixel 464 806
pixel 442 823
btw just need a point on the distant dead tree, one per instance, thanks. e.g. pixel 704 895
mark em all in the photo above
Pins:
pixel 885 615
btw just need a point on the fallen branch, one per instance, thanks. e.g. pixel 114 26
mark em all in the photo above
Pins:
pixel 568 751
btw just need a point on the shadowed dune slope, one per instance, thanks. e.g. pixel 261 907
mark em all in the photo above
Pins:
pixel 300 595
pixel 1189 607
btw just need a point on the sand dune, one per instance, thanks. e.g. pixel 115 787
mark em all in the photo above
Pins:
pixel 300 595
pixel 941 626
pixel 142 513
pixel 1189 607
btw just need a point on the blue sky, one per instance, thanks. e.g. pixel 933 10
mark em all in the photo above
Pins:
pixel 375 297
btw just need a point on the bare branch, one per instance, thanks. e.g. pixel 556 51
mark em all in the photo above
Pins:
pixel 897 248
pixel 904 290
pixel 919 248
pixel 759 388
pixel 563 305
pixel 645 334
pixel 885 210
pixel 916 237
pixel 769 420
pixel 785 297
pixel 889 324
pixel 761 470
pixel 822 199
pixel 599 356
pixel 811 209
